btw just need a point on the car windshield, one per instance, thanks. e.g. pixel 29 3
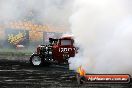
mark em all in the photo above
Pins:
pixel 65 42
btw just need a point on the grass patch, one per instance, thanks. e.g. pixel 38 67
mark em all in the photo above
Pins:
pixel 14 52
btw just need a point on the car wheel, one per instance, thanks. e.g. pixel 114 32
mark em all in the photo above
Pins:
pixel 36 60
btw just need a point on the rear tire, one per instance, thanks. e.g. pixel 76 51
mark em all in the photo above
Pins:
pixel 36 60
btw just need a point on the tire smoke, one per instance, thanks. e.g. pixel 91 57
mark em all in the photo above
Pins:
pixel 103 32
pixel 41 11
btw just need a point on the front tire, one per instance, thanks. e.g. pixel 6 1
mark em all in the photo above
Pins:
pixel 36 60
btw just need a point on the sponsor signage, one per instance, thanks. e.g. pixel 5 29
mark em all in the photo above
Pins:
pixel 16 37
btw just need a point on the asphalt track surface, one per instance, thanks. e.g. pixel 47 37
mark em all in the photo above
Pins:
pixel 20 74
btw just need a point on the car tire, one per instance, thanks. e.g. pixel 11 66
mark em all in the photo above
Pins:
pixel 36 60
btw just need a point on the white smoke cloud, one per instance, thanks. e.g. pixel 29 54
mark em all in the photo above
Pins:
pixel 102 29
pixel 54 13
pixel 44 11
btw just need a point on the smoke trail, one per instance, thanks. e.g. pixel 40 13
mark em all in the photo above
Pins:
pixel 102 30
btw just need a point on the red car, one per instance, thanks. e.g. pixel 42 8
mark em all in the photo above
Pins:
pixel 58 51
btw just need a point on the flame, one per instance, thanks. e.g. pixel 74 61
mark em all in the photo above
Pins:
pixel 81 71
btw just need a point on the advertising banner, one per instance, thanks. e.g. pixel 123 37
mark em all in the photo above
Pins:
pixel 16 37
